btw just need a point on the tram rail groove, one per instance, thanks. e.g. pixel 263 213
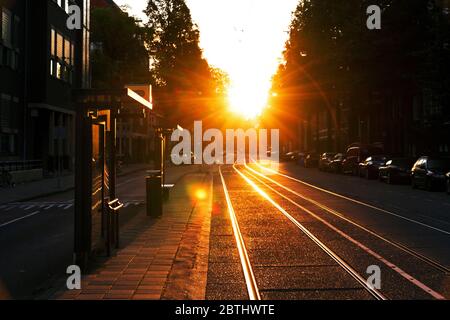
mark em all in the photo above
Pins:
pixel 342 263
pixel 436 265
pixel 389 264
pixel 355 201
pixel 250 280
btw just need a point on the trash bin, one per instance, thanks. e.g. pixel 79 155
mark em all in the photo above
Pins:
pixel 154 194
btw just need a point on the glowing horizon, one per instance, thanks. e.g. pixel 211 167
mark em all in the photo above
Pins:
pixel 246 43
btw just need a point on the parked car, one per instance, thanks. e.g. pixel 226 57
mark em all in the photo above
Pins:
pixel 312 160
pixel 336 164
pixel 325 160
pixel 396 170
pixel 448 182
pixel 429 173
pixel 291 156
pixel 357 154
pixel 286 156
pixel 369 168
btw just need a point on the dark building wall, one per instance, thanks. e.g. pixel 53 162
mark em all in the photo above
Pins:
pixel 12 105
pixel 46 77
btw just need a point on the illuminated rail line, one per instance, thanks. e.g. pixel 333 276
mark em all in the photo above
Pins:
pixel 250 279
pixel 369 251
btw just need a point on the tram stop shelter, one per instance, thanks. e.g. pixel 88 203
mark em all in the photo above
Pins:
pixel 96 203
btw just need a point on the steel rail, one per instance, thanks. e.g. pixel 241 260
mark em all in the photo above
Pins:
pixel 355 201
pixel 249 276
pixel 349 269
pixel 391 265
pixel 341 216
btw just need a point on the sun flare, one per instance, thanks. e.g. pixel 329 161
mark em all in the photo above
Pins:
pixel 246 100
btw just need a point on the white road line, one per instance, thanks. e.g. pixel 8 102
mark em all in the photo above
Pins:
pixel 19 219
pixel 357 201
pixel 68 206
pixel 369 251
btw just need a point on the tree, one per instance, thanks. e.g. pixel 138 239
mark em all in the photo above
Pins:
pixel 188 87
pixel 333 60
pixel 120 56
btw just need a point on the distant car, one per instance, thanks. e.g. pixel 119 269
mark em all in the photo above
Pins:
pixel 369 168
pixel 291 156
pixel 325 160
pixel 312 160
pixel 357 154
pixel 430 173
pixel 448 182
pixel 397 170
pixel 335 165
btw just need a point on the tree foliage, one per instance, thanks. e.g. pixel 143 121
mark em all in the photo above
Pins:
pixel 189 88
pixel 120 56
pixel 331 57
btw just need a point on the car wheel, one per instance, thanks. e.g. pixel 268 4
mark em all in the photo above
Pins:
pixel 389 179
pixel 448 186
pixel 367 174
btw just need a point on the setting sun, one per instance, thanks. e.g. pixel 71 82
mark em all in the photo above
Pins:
pixel 247 44
pixel 246 101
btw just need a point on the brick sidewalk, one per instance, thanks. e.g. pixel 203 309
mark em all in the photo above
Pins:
pixel 165 258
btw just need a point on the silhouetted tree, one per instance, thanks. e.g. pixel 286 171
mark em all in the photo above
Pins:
pixel 332 58
pixel 120 55
pixel 188 87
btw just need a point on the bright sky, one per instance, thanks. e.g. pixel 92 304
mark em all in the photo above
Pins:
pixel 245 38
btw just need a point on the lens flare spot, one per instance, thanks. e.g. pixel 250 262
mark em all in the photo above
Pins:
pixel 200 194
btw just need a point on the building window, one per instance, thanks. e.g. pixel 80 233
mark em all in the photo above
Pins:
pixel 61 56
pixel 64 4
pixel 6 27
pixel 10 39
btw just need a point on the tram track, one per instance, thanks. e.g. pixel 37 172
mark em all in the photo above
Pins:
pixel 260 178
pixel 431 262
pixel 251 281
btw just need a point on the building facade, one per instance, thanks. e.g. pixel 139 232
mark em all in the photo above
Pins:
pixel 42 62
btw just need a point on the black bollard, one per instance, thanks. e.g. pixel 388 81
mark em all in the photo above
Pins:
pixel 154 196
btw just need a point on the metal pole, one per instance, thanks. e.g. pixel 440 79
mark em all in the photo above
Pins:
pixel 83 187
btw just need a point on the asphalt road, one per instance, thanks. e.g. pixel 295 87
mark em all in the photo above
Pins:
pixel 313 235
pixel 36 238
